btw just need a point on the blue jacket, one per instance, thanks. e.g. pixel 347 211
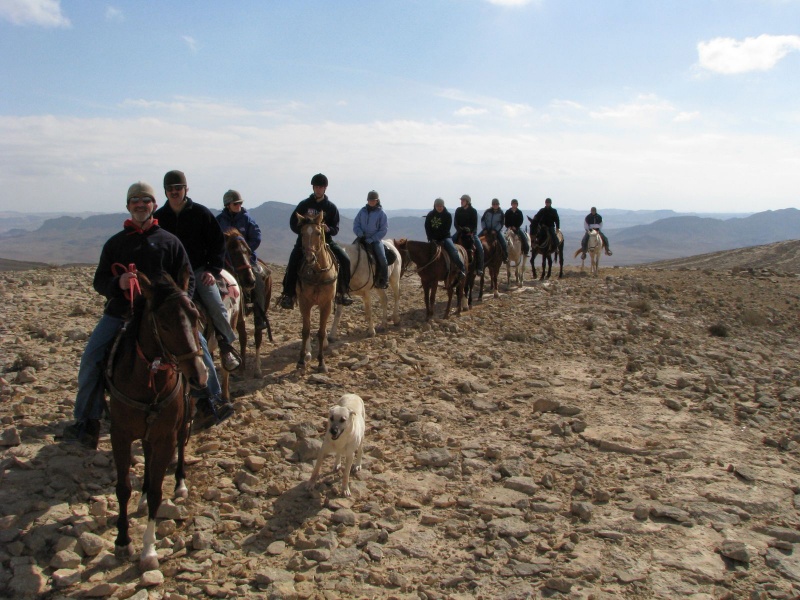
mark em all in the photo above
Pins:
pixel 245 224
pixel 493 220
pixel 372 225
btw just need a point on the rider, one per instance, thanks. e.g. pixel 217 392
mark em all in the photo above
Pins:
pixel 198 230
pixel 371 225
pixel 235 216
pixel 466 220
pixel 493 218
pixel 593 221
pixel 513 221
pixel 548 217
pixel 153 251
pixel 317 202
pixel 437 228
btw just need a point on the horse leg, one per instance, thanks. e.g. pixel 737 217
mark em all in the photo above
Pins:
pixel 241 329
pixel 258 336
pixel 181 491
pixel 121 448
pixel 225 384
pixel 324 313
pixel 337 314
pixel 160 456
pixel 145 479
pixel 305 346
pixel 368 313
pixel 394 282
pixel 384 300
pixel 561 263
pixel 533 264
pixel 432 304
pixel 449 289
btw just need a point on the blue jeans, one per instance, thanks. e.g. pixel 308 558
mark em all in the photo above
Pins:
pixel 212 301
pixel 90 399
pixel 450 248
pixel 380 256
pixel 501 239
pixel 212 387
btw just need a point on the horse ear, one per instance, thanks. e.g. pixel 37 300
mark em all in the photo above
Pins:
pixel 320 217
pixel 183 283
pixel 145 285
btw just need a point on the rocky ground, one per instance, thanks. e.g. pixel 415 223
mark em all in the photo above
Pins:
pixel 631 436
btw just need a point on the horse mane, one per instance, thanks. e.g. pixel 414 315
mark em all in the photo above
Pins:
pixel 160 288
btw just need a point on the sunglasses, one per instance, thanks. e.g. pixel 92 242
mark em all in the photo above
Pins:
pixel 144 200
pixel 177 187
pixel 236 203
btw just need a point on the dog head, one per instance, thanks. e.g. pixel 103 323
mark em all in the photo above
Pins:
pixel 338 421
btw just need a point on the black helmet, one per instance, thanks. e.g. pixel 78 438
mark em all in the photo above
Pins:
pixel 174 178
pixel 319 179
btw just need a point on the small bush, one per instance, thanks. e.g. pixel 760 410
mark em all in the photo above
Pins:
pixel 753 317
pixel 719 330
pixel 642 305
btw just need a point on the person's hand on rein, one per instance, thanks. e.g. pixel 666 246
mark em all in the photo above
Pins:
pixel 125 280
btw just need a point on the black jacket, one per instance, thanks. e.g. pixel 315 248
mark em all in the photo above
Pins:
pixel 547 216
pixel 310 207
pixel 466 217
pixel 152 251
pixel 437 225
pixel 199 232
pixel 514 219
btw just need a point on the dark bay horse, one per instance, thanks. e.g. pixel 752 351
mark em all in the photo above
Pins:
pixel 238 253
pixel 433 267
pixel 147 378
pixel 542 244
pixel 492 260
pixel 316 286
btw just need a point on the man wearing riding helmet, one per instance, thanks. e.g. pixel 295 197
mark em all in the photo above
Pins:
pixel 152 250
pixel 234 216
pixel 317 202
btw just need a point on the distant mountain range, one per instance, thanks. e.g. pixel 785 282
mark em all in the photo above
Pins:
pixel 636 236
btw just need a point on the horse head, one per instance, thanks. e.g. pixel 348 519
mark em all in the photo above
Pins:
pixel 173 334
pixel 312 236
pixel 466 240
pixel 238 253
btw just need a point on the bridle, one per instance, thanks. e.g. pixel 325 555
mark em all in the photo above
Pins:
pixel 312 251
pixel 244 253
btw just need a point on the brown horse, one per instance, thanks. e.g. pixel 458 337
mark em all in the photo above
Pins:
pixel 492 260
pixel 433 267
pixel 316 285
pixel 147 378
pixel 238 253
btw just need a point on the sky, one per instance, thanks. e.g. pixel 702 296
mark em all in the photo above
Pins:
pixel 692 106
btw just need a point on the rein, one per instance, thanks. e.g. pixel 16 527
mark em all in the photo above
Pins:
pixel 118 269
pixel 320 269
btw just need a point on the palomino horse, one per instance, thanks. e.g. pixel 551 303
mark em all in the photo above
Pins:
pixel 594 248
pixel 517 256
pixel 492 260
pixel 232 300
pixel 316 285
pixel 238 253
pixel 467 241
pixel 542 244
pixel 362 280
pixel 151 364
pixel 434 266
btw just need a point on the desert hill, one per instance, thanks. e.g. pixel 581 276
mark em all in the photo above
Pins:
pixel 630 436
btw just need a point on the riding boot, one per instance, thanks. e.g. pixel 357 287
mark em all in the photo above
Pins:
pixel 343 299
pixel 86 433
pixel 211 411
pixel 228 355
pixel 259 317
pixel 286 301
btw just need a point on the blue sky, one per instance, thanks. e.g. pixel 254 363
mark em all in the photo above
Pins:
pixel 690 105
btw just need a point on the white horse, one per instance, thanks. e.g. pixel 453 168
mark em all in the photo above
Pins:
pixel 362 282
pixel 516 256
pixel 594 248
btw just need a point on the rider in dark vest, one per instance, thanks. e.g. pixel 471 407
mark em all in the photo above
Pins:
pixel 593 221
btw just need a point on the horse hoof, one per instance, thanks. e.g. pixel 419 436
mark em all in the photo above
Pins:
pixel 322 369
pixel 123 552
pixel 307 358
pixel 148 563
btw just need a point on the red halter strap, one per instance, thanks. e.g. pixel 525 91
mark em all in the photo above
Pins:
pixel 135 290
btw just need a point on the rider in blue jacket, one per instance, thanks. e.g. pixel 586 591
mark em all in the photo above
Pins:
pixel 234 216
pixel 372 225
pixel 494 218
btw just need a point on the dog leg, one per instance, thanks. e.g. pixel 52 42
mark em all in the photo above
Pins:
pixel 317 466
pixel 346 476
pixel 358 456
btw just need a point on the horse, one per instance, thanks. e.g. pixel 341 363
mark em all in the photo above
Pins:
pixel 467 241
pixel 237 257
pixel 517 256
pixel 147 376
pixel 594 248
pixel 316 285
pixel 434 266
pixel 232 300
pixel 542 244
pixel 362 281
pixel 492 260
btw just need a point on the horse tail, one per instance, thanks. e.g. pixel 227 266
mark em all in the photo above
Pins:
pixel 578 251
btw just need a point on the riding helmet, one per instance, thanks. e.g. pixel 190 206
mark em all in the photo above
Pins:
pixel 231 196
pixel 174 178
pixel 320 180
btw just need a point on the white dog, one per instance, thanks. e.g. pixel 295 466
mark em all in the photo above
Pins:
pixel 344 438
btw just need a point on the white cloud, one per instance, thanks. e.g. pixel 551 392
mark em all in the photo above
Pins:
pixel 45 13
pixel 470 111
pixel 685 117
pixel 515 2
pixel 729 56
pixel 191 42
pixel 114 14
pixel 646 109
